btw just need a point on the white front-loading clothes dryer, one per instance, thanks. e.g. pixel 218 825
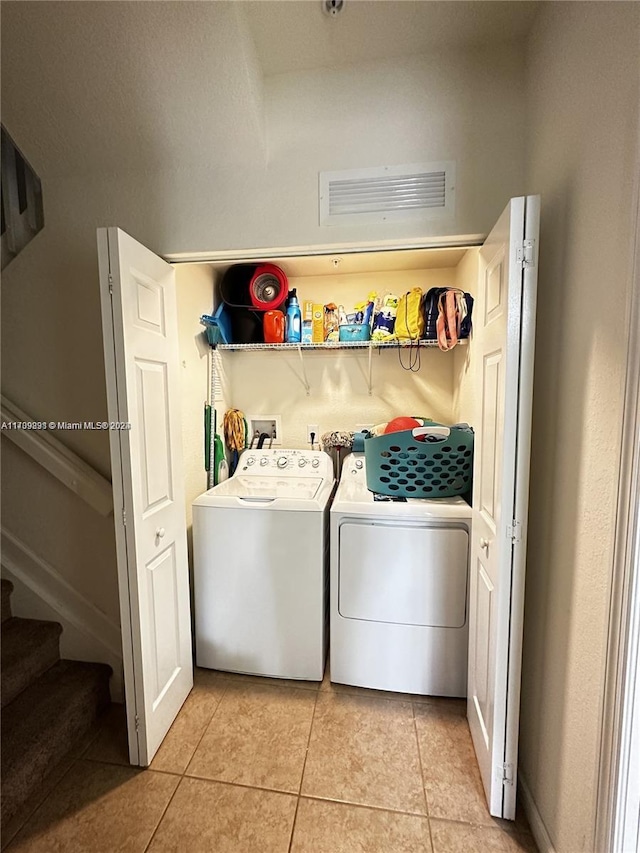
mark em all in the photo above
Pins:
pixel 260 565
pixel 399 587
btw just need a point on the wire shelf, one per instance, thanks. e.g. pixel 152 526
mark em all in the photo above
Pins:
pixel 329 345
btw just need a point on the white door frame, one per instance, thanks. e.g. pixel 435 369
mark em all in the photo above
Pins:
pixel 618 798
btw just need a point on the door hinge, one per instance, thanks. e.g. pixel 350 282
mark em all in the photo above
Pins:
pixel 124 516
pixel 514 531
pixel 137 722
pixel 110 284
pixel 506 774
pixel 525 255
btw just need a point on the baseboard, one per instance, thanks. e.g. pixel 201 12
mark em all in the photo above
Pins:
pixel 40 592
pixel 538 829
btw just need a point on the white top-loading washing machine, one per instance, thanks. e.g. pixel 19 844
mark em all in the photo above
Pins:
pixel 399 587
pixel 260 564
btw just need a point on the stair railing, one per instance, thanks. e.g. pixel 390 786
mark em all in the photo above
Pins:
pixel 57 459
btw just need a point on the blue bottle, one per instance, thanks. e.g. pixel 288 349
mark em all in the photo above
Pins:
pixel 294 319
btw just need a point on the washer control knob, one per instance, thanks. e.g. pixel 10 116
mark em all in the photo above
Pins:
pixel 315 463
pixel 264 461
pixel 359 463
pixel 251 460
pixel 302 462
pixel 282 462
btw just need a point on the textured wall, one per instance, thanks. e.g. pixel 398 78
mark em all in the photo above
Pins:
pixel 457 105
pixel 582 148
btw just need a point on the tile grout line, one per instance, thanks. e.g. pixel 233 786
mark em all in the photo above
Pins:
pixel 233 784
pixel 511 830
pixel 486 827
pixel 306 754
pixel 415 729
pixel 164 811
pixel 369 806
pixel 304 765
pixel 371 693
pixel 490 827
pixel 267 683
pixel 205 730
pixel 284 793
pixel 181 775
pixel 424 790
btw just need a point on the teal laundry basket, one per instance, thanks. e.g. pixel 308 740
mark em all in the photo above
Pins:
pixel 434 461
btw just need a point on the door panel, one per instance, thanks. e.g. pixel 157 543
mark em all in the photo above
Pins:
pixel 165 635
pixel 503 346
pixel 154 437
pixel 489 471
pixel 149 303
pixel 494 288
pixel 141 356
pixel 480 690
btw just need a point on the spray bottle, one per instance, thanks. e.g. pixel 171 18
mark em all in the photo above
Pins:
pixel 294 319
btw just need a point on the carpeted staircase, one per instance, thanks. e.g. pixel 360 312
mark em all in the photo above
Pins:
pixel 48 704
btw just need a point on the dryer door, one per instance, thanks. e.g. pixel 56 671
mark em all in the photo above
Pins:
pixel 403 574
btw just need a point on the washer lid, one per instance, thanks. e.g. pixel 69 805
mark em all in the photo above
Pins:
pixel 268 488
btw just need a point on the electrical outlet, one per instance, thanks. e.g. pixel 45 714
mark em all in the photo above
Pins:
pixel 269 424
pixel 312 428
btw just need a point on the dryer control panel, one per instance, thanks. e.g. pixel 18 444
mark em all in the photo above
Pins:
pixel 354 466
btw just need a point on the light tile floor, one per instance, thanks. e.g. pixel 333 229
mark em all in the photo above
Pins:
pixel 254 765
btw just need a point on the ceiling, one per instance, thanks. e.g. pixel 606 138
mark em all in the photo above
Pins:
pixel 297 35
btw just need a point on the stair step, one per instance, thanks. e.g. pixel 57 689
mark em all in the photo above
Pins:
pixel 42 724
pixel 7 589
pixel 29 648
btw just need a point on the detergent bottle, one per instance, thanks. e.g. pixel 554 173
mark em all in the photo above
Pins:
pixel 294 319
pixel 221 468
